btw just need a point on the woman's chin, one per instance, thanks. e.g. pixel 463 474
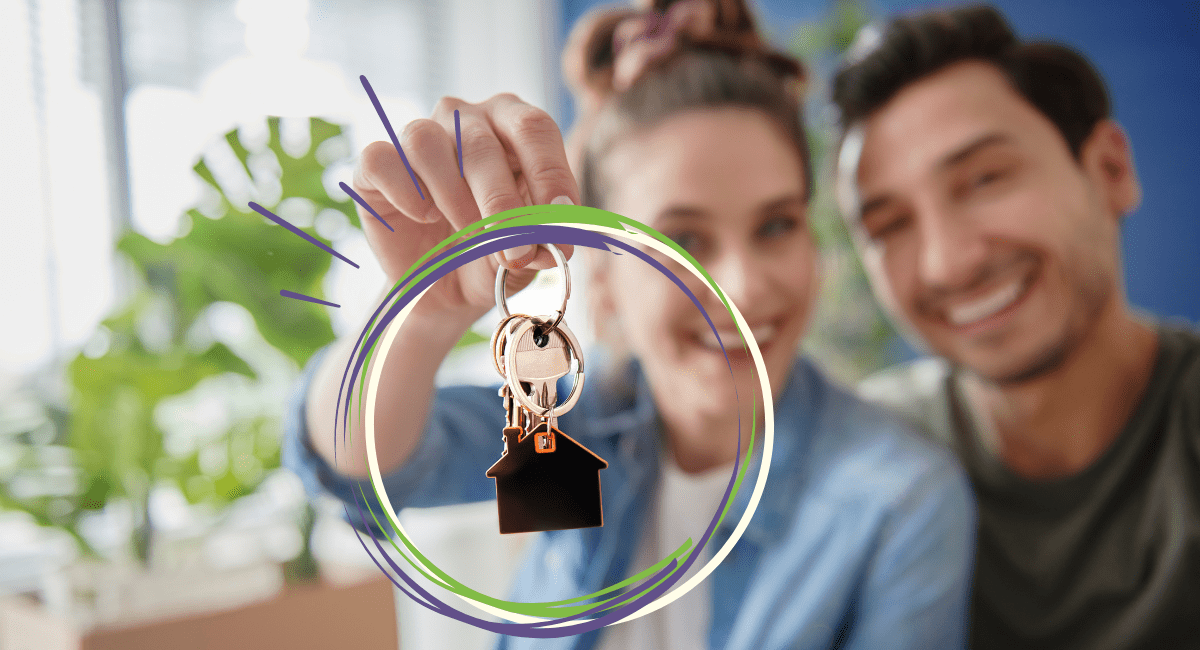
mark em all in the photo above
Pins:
pixel 736 363
pixel 716 392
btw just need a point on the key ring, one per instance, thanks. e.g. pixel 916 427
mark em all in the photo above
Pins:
pixel 502 276
pixel 576 387
pixel 500 339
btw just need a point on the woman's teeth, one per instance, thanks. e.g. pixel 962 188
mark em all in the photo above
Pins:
pixel 977 310
pixel 763 334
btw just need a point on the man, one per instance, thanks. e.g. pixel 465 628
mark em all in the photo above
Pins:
pixel 985 183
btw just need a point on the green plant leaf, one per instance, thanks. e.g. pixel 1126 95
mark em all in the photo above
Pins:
pixel 238 257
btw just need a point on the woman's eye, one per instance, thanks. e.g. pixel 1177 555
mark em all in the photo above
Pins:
pixel 688 241
pixel 777 227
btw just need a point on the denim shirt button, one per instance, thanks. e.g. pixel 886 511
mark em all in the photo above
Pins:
pixel 553 560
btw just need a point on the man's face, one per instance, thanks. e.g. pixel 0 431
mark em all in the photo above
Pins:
pixel 981 232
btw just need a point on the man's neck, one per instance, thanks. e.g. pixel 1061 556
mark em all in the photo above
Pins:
pixel 1060 423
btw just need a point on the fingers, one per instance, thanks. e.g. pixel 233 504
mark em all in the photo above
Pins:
pixel 535 141
pixel 512 156
pixel 531 137
pixel 486 167
pixel 488 171
pixel 381 173
pixel 447 196
pixel 432 154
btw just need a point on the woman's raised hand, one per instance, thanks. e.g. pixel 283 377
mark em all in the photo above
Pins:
pixel 512 156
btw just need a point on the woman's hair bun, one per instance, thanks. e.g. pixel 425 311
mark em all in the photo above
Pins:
pixel 610 49
pixel 588 53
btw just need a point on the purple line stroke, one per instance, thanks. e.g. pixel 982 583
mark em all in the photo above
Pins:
pixel 605 612
pixel 366 206
pixel 458 139
pixel 286 224
pixel 391 132
pixel 299 296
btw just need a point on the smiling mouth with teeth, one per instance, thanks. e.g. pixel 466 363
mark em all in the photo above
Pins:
pixel 974 311
pixel 763 334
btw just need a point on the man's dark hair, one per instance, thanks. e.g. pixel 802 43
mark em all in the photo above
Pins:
pixel 1056 80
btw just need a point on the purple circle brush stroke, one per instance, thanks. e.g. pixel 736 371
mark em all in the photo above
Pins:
pixel 494 241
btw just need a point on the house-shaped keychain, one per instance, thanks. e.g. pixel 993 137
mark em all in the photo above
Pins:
pixel 546 481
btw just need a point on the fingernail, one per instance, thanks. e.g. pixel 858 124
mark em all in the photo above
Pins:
pixel 433 215
pixel 562 200
pixel 520 256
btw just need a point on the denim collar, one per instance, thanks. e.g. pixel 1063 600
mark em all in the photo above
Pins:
pixel 623 406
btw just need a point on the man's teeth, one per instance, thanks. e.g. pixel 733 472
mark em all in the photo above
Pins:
pixel 978 310
pixel 762 334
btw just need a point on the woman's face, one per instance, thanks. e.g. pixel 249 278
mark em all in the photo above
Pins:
pixel 728 187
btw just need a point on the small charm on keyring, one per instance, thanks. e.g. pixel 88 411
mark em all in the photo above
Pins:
pixel 545 479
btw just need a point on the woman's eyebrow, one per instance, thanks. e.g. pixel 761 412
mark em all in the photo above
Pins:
pixel 682 212
pixel 782 202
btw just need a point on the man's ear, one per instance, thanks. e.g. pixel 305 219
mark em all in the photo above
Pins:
pixel 1108 158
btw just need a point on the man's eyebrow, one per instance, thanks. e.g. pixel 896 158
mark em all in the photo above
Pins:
pixel 984 141
pixel 971 148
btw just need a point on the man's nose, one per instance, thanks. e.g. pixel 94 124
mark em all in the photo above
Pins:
pixel 952 248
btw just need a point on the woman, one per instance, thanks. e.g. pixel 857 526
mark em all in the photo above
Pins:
pixel 863 537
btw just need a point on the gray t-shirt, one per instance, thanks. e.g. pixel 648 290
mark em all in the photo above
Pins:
pixel 1106 558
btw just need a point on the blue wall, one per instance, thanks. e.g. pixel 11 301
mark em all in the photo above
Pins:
pixel 1149 52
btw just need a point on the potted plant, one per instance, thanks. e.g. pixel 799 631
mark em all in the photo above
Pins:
pixel 202 326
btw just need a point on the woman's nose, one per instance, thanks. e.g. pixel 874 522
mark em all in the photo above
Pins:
pixel 743 277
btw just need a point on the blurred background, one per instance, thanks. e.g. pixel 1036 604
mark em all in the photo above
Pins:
pixel 146 354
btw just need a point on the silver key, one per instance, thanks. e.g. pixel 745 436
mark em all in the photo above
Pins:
pixel 514 418
pixel 539 366
pixel 512 410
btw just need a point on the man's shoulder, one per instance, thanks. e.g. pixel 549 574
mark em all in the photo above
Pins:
pixel 916 392
pixel 1180 351
pixel 1181 341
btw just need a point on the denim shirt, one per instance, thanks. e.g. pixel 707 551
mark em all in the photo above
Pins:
pixel 863 538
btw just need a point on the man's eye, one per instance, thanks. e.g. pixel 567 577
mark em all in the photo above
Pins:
pixel 884 228
pixel 777 227
pixel 986 178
